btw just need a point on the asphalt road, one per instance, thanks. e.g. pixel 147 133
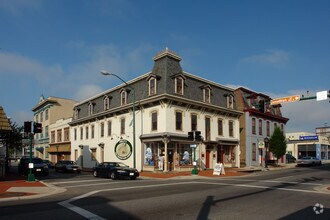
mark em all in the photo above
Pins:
pixel 285 194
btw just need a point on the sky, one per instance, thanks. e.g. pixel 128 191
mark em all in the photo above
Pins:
pixel 57 48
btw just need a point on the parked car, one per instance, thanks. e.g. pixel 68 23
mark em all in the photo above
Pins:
pixel 67 166
pixel 115 170
pixel 290 159
pixel 308 161
pixel 39 167
pixel 49 164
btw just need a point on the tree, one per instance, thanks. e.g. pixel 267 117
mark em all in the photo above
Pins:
pixel 12 140
pixel 277 143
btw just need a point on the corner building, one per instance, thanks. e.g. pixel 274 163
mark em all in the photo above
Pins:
pixel 169 103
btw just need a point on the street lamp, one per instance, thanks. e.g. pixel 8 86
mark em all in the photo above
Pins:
pixel 266 140
pixel 106 73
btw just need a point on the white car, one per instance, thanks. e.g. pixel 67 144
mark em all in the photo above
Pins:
pixel 308 161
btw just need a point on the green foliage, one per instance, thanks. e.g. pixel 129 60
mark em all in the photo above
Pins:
pixel 12 140
pixel 277 143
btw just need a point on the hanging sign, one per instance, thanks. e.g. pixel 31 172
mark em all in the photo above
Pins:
pixel 123 149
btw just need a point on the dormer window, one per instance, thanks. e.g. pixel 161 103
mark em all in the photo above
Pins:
pixel 179 85
pixel 206 94
pixel 90 108
pixel 76 113
pixel 106 103
pixel 123 97
pixel 230 101
pixel 152 86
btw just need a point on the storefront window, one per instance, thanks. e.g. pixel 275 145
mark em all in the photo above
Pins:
pixel 185 154
pixel 150 156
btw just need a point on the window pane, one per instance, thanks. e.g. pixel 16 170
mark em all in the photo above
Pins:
pixel 154 121
pixel 194 122
pixel 178 121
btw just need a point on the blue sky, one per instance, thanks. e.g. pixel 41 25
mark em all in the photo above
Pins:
pixel 57 48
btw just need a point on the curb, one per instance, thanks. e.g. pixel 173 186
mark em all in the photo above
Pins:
pixel 51 190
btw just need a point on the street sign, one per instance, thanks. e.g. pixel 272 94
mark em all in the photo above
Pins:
pixel 323 95
pixel 294 98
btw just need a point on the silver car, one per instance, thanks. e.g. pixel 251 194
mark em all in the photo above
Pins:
pixel 308 161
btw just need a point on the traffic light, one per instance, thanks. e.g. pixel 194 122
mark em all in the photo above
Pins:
pixel 191 135
pixel 27 126
pixel 37 128
pixel 198 136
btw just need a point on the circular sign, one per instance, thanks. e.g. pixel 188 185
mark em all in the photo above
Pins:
pixel 123 149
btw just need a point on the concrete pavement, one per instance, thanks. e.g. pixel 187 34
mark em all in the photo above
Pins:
pixel 20 189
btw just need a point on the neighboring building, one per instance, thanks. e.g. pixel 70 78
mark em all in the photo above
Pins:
pixel 301 144
pixel 47 112
pixel 60 143
pixel 258 122
pixel 323 131
pixel 4 128
pixel 169 104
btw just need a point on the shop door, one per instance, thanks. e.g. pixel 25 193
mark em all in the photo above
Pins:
pixel 207 159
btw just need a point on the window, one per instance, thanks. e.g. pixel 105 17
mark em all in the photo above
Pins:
pixel 37 117
pixel 123 97
pixel 46 131
pixel 194 122
pixel 260 127
pixel 230 101
pixel 90 108
pixel 207 128
pixel 93 154
pixel 231 129
pixel 102 129
pixel 178 120
pixel 106 103
pixel 66 134
pixel 154 121
pixel 41 116
pixel 254 151
pixel 52 137
pixel 207 95
pixel 253 126
pixel 275 125
pixel 268 128
pixel 179 85
pixel 87 132
pixel 93 131
pixel 76 113
pixel 152 86
pixel 282 127
pixel 109 128
pixel 59 135
pixel 75 134
pixel 46 114
pixel 81 133
pixel 122 126
pixel 185 153
pixel 220 127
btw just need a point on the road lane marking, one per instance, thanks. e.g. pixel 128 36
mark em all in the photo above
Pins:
pixel 272 181
pixel 89 215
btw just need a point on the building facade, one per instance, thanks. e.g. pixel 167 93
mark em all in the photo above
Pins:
pixel 301 144
pixel 47 112
pixel 257 123
pixel 169 103
pixel 60 143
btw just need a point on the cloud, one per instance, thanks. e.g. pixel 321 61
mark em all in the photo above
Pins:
pixel 87 91
pixel 271 57
pixel 304 115
pixel 20 116
pixel 17 7
pixel 25 67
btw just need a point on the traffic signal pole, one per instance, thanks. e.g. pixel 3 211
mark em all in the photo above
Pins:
pixel 31 177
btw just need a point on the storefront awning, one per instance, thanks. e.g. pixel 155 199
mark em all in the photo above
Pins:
pixel 60 148
pixel 227 141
